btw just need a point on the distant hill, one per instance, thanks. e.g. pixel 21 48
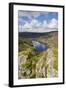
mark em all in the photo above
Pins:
pixel 34 35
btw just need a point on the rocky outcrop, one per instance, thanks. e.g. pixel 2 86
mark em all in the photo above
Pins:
pixel 42 68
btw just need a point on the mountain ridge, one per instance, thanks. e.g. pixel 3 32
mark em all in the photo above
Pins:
pixel 34 34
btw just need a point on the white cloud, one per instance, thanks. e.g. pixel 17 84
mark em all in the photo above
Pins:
pixel 35 23
pixel 32 14
pixel 45 23
pixel 53 23
pixel 32 26
pixel 36 26
pixel 20 28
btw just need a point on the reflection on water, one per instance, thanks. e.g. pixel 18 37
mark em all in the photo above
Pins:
pixel 39 46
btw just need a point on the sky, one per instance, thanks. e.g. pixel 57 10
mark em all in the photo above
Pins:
pixel 37 21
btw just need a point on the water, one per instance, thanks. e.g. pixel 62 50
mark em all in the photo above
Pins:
pixel 39 46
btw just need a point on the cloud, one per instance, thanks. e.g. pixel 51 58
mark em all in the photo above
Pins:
pixel 36 26
pixel 53 23
pixel 20 28
pixel 20 21
pixel 35 23
pixel 45 23
pixel 31 14
pixel 32 26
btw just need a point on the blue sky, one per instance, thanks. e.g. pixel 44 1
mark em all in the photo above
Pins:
pixel 47 17
pixel 29 20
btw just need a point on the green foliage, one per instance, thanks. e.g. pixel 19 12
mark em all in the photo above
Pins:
pixel 24 44
pixel 55 51
pixel 27 65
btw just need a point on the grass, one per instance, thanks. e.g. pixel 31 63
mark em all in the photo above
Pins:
pixel 33 57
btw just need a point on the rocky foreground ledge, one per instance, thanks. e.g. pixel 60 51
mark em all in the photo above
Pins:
pixel 39 65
